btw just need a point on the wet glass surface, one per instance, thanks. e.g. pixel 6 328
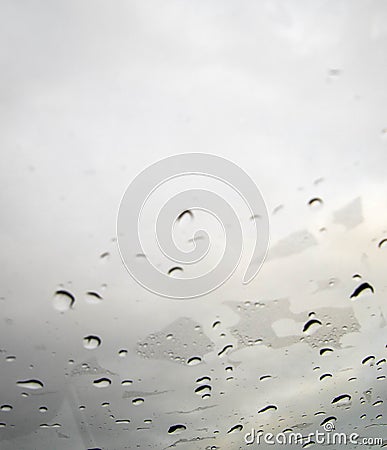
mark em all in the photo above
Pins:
pixel 92 93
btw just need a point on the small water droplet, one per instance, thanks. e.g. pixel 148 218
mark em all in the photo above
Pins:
pixel 122 421
pixel 126 382
pixel 369 360
pixel 43 409
pixel 63 300
pixel 138 401
pixel 123 353
pixel 91 342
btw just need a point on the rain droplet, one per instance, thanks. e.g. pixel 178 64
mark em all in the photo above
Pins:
pixel 93 297
pixel 91 342
pixel 138 401
pixel 368 360
pixel 176 429
pixel 43 409
pixel 122 421
pixel 340 399
pixel 268 408
pixel 187 213
pixel 102 382
pixel 205 388
pixel 235 429
pixel 63 300
pixel 264 377
pixel 382 243
pixel 175 270
pixel 123 353
pixel 30 384
pixel 6 408
pixel 325 375
pixel 311 326
pixel 194 360
pixel 315 202
pixel 225 349
pixel 126 382
pixel 328 419
pixel 378 403
pixel 362 288
pixel 325 350
pixel 203 379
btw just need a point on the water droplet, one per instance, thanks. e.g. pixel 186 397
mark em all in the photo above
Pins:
pixel 315 202
pixel 235 429
pixel 122 421
pixel 382 243
pixel 203 379
pixel 175 271
pixel 216 324
pixel 325 351
pixel 63 300
pixel 176 429
pixel 123 353
pixel 368 360
pixel 10 358
pixel 340 399
pixel 264 377
pixel 360 289
pixel 311 326
pixel 2 425
pixel 91 342
pixel 93 297
pixel 225 349
pixel 268 408
pixel 104 256
pixel 186 213
pixel 203 389
pixel 30 384
pixel 43 409
pixel 138 401
pixel 325 375
pixel 194 360
pixel 6 408
pixel 102 382
pixel 126 382
pixel 378 403
pixel 328 419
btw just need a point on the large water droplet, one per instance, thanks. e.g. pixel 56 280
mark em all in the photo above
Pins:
pixel 30 384
pixel 102 382
pixel 91 342
pixel 63 300
pixel 194 360
pixel 176 429
pixel 6 408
